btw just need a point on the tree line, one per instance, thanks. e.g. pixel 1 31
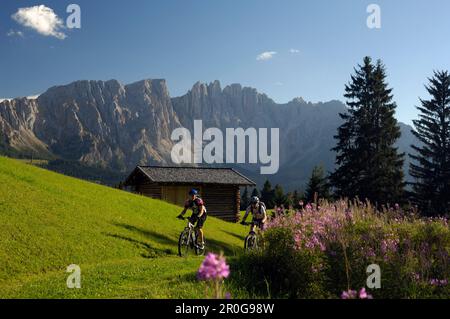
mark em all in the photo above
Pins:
pixel 368 164
pixel 317 187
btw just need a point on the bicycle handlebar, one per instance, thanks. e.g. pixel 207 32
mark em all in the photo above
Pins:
pixel 190 225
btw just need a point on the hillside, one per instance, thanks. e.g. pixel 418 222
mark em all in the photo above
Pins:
pixel 125 244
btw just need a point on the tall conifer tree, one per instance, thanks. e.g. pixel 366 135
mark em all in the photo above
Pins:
pixel 317 185
pixel 431 163
pixel 267 194
pixel 368 163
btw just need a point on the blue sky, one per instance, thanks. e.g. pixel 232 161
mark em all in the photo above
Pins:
pixel 202 40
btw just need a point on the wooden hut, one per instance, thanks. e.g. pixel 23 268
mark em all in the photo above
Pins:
pixel 218 187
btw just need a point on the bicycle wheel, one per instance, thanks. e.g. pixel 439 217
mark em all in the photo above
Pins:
pixel 250 242
pixel 183 244
pixel 200 251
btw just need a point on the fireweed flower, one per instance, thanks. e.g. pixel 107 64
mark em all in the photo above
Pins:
pixel 415 276
pixel 369 252
pixel 213 267
pixel 389 246
pixel 315 229
pixel 353 294
pixel 439 283
pixel 363 294
pixel 339 228
pixel 349 294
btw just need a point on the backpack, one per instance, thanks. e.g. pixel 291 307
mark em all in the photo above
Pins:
pixel 261 204
pixel 195 207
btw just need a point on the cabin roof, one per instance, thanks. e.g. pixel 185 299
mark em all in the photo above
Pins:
pixel 191 175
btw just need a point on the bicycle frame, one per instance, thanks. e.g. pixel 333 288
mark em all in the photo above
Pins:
pixel 257 230
pixel 191 241
pixel 256 233
pixel 192 233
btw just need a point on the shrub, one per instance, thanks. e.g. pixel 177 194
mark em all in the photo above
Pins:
pixel 322 251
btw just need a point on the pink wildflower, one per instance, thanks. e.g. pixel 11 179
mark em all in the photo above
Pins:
pixel 349 294
pixel 213 267
pixel 363 294
pixel 353 294
pixel 438 283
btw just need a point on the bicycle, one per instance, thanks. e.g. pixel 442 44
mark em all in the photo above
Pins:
pixel 253 240
pixel 188 240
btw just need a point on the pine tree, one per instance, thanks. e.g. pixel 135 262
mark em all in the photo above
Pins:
pixel 245 200
pixel 296 198
pixel 368 163
pixel 431 163
pixel 290 200
pixel 256 193
pixel 267 195
pixel 318 184
pixel 279 196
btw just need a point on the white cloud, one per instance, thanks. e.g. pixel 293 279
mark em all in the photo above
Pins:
pixel 278 83
pixel 12 33
pixel 42 19
pixel 293 51
pixel 265 56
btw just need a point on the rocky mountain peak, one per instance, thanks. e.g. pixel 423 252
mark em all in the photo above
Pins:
pixel 159 86
pixel 115 126
pixel 298 100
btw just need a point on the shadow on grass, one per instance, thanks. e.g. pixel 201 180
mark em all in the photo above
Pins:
pixel 242 238
pixel 149 251
pixel 218 246
pixel 157 237
pixel 212 244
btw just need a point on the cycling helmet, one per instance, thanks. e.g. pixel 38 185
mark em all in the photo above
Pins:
pixel 193 192
pixel 254 200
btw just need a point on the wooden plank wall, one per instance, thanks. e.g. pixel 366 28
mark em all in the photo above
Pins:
pixel 221 202
pixel 149 189
pixel 177 194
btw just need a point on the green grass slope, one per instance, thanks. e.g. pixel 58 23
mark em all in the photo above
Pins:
pixel 125 244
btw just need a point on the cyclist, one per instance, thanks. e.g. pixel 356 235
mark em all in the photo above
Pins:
pixel 198 214
pixel 258 210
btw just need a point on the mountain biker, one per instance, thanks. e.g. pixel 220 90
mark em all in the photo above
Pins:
pixel 258 210
pixel 198 214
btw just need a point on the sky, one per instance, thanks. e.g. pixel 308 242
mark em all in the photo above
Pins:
pixel 286 49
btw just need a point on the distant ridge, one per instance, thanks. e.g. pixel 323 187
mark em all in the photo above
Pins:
pixel 110 125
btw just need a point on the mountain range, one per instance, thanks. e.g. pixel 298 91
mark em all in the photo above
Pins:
pixel 114 127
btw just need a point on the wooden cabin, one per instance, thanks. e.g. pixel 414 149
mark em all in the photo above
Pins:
pixel 218 187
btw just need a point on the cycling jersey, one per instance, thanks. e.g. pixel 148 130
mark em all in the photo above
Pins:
pixel 258 212
pixel 196 205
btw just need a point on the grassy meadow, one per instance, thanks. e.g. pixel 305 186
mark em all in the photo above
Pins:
pixel 125 244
